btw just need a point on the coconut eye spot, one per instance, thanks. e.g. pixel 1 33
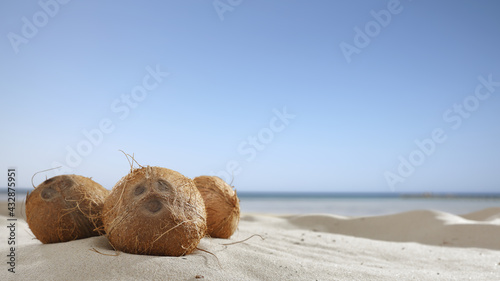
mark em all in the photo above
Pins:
pixel 153 206
pixel 163 186
pixel 65 182
pixel 139 190
pixel 48 193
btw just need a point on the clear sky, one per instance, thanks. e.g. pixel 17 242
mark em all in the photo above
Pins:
pixel 324 95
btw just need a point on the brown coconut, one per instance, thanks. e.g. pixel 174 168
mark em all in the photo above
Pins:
pixel 155 211
pixel 65 208
pixel 222 205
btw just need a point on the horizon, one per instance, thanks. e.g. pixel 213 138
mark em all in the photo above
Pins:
pixel 271 193
pixel 364 96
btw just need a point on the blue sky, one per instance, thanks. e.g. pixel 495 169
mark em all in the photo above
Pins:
pixel 265 90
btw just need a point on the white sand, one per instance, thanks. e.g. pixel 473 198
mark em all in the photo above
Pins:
pixel 419 245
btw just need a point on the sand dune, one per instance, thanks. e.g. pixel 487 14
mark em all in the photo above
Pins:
pixel 425 227
pixel 417 245
pixel 489 214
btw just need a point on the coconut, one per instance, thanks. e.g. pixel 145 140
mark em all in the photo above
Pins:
pixel 155 211
pixel 65 208
pixel 222 205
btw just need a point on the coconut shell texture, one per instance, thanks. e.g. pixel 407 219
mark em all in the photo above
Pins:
pixel 65 208
pixel 222 205
pixel 155 211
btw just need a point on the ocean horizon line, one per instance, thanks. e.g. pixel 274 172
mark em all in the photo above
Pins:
pixel 359 195
pixel 342 194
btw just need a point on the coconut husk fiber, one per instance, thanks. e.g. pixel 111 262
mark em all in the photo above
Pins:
pixel 155 211
pixel 65 208
pixel 222 205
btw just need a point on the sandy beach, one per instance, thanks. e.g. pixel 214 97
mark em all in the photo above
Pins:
pixel 416 245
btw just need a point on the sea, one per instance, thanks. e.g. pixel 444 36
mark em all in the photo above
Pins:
pixel 349 204
pixel 364 204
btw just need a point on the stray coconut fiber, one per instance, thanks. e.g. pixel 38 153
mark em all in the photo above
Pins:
pixel 222 205
pixel 65 208
pixel 155 211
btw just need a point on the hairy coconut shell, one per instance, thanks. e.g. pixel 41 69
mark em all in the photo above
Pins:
pixel 155 211
pixel 222 205
pixel 65 208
